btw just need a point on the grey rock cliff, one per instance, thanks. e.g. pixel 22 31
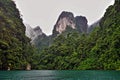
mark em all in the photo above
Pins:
pixel 35 34
pixel 29 31
pixel 67 19
pixel 81 24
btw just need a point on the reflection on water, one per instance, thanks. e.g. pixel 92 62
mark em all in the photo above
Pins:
pixel 60 75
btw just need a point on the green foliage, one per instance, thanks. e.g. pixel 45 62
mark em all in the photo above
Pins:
pixel 98 50
pixel 15 49
pixel 71 50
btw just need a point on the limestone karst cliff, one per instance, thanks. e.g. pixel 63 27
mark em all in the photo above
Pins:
pixel 34 33
pixel 67 19
pixel 29 31
pixel 81 24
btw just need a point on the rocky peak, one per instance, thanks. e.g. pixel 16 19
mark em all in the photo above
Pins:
pixel 29 31
pixel 66 14
pixel 34 33
pixel 37 31
pixel 81 23
pixel 65 19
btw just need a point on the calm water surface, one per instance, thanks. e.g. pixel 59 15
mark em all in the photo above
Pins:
pixel 60 75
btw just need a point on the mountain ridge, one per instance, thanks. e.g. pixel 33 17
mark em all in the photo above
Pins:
pixel 67 19
pixel 65 24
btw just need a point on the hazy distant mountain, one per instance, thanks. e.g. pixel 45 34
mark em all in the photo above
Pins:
pixel 92 26
pixel 35 34
pixel 38 38
pixel 29 31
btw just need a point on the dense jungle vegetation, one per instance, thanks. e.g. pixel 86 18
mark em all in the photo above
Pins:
pixel 99 50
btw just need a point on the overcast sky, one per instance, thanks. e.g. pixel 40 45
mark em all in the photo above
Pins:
pixel 44 13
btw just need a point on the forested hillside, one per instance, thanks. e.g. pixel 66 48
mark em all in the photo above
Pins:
pixel 69 47
pixel 98 50
pixel 14 45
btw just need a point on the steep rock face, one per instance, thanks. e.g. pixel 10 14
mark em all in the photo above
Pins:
pixel 38 38
pixel 37 31
pixel 67 20
pixel 41 42
pixel 35 34
pixel 81 24
pixel 29 31
pixel 39 35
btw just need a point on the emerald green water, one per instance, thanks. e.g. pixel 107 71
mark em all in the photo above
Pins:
pixel 60 75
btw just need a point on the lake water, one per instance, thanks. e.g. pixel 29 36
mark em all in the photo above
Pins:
pixel 60 75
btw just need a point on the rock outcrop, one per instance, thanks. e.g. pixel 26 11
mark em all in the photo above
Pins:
pixel 81 24
pixel 38 38
pixel 35 34
pixel 29 31
pixel 67 19
pixel 38 31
